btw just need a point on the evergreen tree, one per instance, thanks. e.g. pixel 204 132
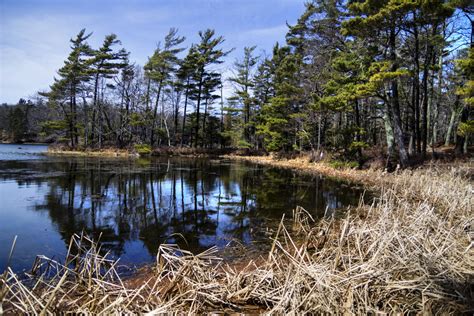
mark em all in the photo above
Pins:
pixel 379 22
pixel 17 123
pixel 243 82
pixel 466 125
pixel 204 55
pixel 352 74
pixel 160 70
pixel 278 126
pixel 64 92
pixel 212 82
pixel 104 64
pixel 184 75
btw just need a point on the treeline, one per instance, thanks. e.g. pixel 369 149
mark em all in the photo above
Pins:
pixel 101 99
pixel 21 122
pixel 397 74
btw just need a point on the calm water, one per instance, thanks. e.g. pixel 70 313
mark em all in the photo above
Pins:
pixel 138 204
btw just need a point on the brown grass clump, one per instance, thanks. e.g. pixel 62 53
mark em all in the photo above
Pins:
pixel 411 251
pixel 104 152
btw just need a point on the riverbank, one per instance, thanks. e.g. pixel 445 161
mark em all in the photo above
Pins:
pixel 156 152
pixel 106 152
pixel 412 250
pixel 374 178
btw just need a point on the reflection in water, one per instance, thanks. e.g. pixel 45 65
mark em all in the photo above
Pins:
pixel 207 202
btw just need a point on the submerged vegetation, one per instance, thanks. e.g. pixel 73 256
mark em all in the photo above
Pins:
pixel 412 250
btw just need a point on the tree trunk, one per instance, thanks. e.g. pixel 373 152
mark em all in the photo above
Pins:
pixel 389 137
pixel 424 120
pixel 417 133
pixel 460 139
pixel 155 114
pixel 71 121
pixel 358 139
pixel 221 123
pixel 176 113
pixel 204 124
pixel 426 101
pixel 74 117
pixel 454 113
pixel 94 108
pixel 437 105
pixel 198 108
pixel 395 106
pixel 184 111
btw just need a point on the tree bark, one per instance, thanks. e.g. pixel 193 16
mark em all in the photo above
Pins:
pixel 389 137
pixel 417 133
pixel 198 108
pixel 454 113
pixel 395 106
pixel 460 139
pixel 184 111
pixel 155 114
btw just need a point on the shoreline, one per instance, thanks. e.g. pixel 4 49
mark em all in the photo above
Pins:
pixel 411 249
pixel 98 154
pixel 372 178
pixel 368 177
pixel 302 164
pixel 157 152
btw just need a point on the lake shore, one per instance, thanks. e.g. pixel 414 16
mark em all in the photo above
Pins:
pixel 412 250
pixel 162 151
pixel 106 153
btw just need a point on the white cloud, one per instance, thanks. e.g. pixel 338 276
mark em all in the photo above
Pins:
pixel 273 32
pixel 32 48
pixel 34 38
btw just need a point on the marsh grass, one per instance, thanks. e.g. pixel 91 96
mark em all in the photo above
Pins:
pixel 410 251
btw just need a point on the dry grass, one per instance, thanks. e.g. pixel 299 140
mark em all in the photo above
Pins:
pixel 105 152
pixel 412 250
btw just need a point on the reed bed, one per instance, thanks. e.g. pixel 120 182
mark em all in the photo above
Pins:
pixel 410 251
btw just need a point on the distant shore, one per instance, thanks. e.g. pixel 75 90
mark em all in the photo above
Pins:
pixel 25 143
pixel 90 153
pixel 156 152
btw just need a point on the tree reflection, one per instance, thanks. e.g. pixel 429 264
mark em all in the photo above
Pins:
pixel 195 203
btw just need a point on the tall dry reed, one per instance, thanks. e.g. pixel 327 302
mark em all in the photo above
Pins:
pixel 410 251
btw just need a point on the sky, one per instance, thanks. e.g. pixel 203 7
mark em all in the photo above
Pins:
pixel 34 34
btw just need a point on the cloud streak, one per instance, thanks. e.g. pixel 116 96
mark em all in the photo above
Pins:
pixel 34 35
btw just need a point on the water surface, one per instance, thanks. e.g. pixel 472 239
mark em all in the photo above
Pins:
pixel 135 205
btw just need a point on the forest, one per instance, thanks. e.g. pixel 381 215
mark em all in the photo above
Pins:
pixel 330 175
pixel 352 75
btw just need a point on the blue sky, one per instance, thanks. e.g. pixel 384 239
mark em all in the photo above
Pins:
pixel 34 34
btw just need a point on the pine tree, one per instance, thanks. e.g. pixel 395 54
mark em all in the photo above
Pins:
pixel 243 82
pixel 317 38
pixel 278 126
pixel 104 64
pixel 205 54
pixel 263 92
pixel 466 125
pixel 160 69
pixel 378 21
pixel 17 123
pixel 212 82
pixel 76 70
pixel 185 75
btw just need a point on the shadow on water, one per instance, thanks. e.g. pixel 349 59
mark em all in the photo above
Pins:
pixel 135 205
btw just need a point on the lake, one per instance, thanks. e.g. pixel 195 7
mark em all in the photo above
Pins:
pixel 137 204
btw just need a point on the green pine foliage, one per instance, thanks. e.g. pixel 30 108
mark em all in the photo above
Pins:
pixel 351 76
